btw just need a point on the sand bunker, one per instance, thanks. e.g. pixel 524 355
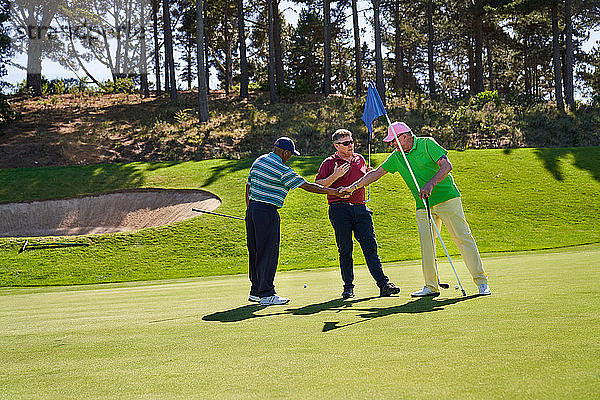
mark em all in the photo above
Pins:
pixel 111 212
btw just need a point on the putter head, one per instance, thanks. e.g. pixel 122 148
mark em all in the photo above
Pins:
pixel 22 249
pixel 444 285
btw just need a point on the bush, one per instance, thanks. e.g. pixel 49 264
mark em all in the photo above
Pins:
pixel 7 114
pixel 120 85
pixel 55 86
pixel 486 97
pixel 254 86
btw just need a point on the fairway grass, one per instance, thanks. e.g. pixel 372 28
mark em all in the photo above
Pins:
pixel 514 200
pixel 536 337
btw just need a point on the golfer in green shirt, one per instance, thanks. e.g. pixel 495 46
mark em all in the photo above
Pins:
pixel 431 167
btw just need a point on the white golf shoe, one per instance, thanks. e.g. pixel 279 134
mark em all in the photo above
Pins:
pixel 424 292
pixel 254 299
pixel 484 289
pixel 274 300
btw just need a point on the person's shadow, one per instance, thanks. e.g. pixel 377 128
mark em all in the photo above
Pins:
pixel 421 305
pixel 236 314
pixel 424 304
pixel 335 304
pixel 249 311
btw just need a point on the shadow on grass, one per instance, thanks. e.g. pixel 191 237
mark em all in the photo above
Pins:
pixel 60 182
pixel 335 304
pixel 422 305
pixel 225 169
pixel 236 314
pixel 585 158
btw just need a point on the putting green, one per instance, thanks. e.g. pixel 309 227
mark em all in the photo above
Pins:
pixel 535 337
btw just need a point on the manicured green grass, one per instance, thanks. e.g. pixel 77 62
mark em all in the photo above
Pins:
pixel 535 337
pixel 514 200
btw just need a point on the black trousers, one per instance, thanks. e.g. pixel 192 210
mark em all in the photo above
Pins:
pixel 262 237
pixel 347 219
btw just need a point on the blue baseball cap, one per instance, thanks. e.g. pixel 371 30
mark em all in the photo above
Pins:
pixel 285 143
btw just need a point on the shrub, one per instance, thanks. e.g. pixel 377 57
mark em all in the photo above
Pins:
pixel 7 114
pixel 254 86
pixel 486 97
pixel 120 85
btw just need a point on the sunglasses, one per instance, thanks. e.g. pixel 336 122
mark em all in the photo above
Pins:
pixel 346 143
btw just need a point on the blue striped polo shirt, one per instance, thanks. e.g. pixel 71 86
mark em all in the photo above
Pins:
pixel 270 180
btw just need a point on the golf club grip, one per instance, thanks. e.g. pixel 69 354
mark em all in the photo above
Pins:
pixel 427 206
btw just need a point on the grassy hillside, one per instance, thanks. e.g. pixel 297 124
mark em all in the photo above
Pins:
pixel 86 128
pixel 514 200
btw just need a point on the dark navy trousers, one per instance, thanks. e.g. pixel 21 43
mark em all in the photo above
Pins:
pixel 262 237
pixel 355 218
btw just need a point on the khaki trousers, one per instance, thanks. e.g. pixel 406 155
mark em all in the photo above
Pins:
pixel 451 214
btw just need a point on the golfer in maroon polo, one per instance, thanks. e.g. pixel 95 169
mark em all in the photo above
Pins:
pixel 351 215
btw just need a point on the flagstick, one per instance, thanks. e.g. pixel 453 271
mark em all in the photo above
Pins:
pixel 418 190
pixel 368 165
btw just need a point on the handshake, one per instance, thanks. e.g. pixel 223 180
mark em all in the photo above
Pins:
pixel 346 191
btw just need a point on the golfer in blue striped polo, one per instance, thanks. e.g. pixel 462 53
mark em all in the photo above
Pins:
pixel 269 182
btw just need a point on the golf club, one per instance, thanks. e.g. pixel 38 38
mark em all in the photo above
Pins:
pixel 430 220
pixel 213 213
pixel 30 246
pixel 447 255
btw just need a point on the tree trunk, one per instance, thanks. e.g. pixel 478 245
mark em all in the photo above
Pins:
pixel 326 50
pixel 143 57
pixel 556 59
pixel 341 70
pixel 36 34
pixel 357 51
pixel 478 37
pixel 169 51
pixel 125 69
pixel 430 49
pixel 378 57
pixel 471 60
pixel 490 62
pixel 243 59
pixel 277 44
pixel 398 67
pixel 202 88
pixel 569 91
pixel 272 78
pixel 228 66
pixel 189 59
pixel 527 71
pixel 34 64
pixel 167 64
pixel 206 56
pixel 156 46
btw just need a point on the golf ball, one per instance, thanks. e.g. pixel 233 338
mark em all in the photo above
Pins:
pixel 305 285
pixel 456 287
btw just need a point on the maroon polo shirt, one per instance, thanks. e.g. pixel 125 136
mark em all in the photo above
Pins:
pixel 358 168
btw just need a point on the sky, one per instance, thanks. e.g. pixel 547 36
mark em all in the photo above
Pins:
pixel 291 10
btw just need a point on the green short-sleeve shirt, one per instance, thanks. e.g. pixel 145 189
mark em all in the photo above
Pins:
pixel 423 160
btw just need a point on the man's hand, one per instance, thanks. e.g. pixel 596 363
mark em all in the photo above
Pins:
pixel 337 192
pixel 426 190
pixel 348 189
pixel 341 170
pixel 342 193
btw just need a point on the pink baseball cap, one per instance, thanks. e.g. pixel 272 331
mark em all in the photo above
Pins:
pixel 399 127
